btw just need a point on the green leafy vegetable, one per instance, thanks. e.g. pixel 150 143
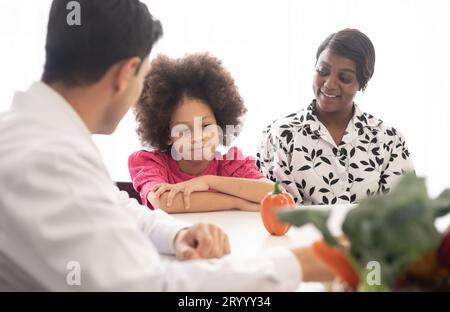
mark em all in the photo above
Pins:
pixel 393 229
pixel 318 218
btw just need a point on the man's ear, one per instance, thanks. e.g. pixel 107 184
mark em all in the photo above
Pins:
pixel 125 71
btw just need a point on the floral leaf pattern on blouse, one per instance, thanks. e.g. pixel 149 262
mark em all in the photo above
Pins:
pixel 299 151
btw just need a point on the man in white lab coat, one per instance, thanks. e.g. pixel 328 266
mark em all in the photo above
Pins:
pixel 63 224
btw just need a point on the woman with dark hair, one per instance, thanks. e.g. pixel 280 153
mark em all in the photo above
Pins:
pixel 184 108
pixel 332 152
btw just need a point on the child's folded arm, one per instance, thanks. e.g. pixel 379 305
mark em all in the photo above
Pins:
pixel 202 202
pixel 252 190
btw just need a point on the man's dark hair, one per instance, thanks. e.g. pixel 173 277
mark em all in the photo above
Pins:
pixel 110 31
pixel 356 46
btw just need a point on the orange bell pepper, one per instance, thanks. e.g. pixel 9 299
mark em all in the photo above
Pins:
pixel 270 204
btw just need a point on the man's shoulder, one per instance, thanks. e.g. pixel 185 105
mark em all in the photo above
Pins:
pixel 25 144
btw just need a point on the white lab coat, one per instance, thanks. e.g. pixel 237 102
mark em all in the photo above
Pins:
pixel 64 226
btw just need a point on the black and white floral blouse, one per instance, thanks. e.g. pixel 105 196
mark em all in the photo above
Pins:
pixel 299 151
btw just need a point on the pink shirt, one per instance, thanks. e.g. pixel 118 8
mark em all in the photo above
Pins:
pixel 148 168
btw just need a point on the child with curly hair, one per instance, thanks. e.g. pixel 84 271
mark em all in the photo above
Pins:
pixel 186 106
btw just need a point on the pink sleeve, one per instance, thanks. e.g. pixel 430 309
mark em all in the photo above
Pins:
pixel 147 169
pixel 238 166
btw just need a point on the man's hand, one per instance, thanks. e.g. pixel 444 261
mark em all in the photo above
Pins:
pixel 313 269
pixel 201 241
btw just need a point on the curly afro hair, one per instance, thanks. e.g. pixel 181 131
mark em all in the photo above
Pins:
pixel 200 76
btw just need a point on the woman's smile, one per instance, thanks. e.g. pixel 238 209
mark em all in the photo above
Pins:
pixel 329 95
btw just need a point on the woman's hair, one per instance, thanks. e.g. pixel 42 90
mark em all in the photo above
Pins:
pixel 356 46
pixel 199 76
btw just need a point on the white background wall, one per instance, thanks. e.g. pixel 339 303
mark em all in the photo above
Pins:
pixel 269 47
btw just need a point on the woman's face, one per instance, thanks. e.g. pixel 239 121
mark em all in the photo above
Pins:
pixel 334 84
pixel 194 131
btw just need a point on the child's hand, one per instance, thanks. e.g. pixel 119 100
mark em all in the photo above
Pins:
pixel 198 184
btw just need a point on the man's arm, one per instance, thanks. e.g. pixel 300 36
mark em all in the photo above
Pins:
pixel 276 269
pixel 157 225
pixel 170 236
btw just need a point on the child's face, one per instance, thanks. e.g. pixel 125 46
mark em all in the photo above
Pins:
pixel 194 131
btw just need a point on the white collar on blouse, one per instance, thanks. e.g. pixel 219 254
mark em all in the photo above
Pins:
pixel 306 118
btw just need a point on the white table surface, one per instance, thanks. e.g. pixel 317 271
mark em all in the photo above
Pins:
pixel 248 236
